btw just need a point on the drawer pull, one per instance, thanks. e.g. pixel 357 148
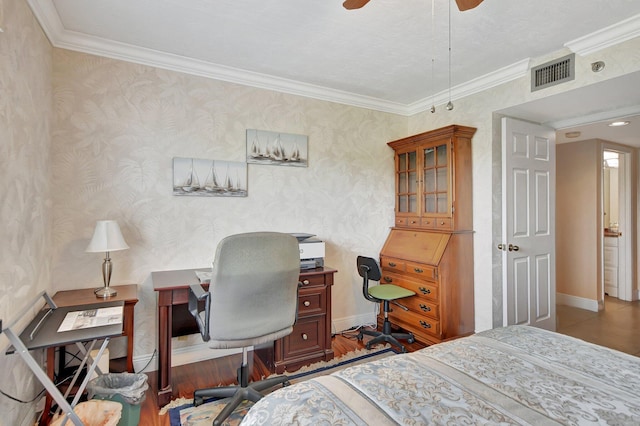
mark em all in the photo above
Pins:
pixel 425 324
pixel 414 221
pixel 307 303
pixel 442 223
pixel 305 282
pixel 418 270
pixel 305 336
pixel 392 264
pixel 388 279
pixel 425 308
pixel 424 290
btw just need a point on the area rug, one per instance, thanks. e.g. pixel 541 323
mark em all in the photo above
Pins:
pixel 183 413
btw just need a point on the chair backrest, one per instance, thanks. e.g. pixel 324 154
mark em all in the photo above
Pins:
pixel 368 269
pixel 253 288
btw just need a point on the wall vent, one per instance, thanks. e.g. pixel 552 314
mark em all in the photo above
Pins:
pixel 552 73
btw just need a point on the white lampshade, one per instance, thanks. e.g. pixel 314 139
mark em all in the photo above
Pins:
pixel 106 237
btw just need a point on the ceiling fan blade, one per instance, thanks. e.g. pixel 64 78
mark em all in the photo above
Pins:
pixel 467 4
pixel 354 4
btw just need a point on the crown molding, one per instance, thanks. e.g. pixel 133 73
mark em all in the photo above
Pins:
pixel 47 15
pixel 595 118
pixel 477 85
pixel 606 37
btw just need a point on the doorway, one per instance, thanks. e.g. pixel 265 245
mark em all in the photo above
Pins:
pixel 564 112
pixel 617 267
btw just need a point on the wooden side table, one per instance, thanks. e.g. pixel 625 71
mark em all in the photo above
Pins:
pixel 127 293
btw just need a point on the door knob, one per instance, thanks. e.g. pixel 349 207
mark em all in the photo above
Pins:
pixel 500 246
pixel 513 248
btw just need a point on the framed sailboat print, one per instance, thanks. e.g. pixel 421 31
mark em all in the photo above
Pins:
pixel 281 149
pixel 209 178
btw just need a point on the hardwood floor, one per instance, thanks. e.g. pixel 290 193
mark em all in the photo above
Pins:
pixel 187 378
pixel 615 327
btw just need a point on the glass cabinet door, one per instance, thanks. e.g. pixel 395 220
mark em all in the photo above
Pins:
pixel 436 180
pixel 407 181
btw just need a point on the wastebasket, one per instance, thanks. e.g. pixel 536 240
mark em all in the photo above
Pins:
pixel 129 389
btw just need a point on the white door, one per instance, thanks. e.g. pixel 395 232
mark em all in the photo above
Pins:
pixel 528 217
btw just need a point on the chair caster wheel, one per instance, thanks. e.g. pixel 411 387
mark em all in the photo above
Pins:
pixel 197 401
pixel 411 340
pixel 285 384
pixel 404 350
pixel 360 336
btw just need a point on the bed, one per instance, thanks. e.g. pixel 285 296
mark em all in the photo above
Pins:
pixel 512 375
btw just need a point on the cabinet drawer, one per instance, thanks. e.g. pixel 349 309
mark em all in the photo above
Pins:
pixel 423 289
pixel 306 337
pixel 415 323
pixel 422 271
pixel 312 301
pixel 413 222
pixel 392 264
pixel 312 280
pixel 428 222
pixel 420 306
pixel 444 223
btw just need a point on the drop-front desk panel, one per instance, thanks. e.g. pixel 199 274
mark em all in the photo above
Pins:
pixel 309 342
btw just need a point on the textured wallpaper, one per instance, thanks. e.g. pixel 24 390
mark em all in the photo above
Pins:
pixel 25 189
pixel 117 127
pixel 84 138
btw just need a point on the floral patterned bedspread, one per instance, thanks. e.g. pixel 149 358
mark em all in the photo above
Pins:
pixel 514 375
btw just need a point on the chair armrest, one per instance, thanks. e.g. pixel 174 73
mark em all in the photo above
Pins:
pixel 196 295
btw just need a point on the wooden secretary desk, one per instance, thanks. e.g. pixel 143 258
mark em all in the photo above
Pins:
pixel 430 248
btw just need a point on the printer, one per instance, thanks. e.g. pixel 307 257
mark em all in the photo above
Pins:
pixel 311 251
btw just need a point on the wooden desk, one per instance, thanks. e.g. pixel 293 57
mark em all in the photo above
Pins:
pixel 174 320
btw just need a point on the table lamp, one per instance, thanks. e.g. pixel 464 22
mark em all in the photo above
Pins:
pixel 106 238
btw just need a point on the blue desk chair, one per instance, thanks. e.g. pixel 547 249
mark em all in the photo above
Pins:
pixel 369 269
pixel 252 299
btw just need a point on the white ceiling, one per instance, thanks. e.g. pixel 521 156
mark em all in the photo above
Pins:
pixel 378 57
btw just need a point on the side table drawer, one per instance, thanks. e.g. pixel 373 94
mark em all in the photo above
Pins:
pixel 312 301
pixel 312 280
pixel 307 336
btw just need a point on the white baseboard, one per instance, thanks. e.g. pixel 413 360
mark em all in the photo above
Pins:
pixel 340 324
pixel 182 356
pixel 202 352
pixel 578 302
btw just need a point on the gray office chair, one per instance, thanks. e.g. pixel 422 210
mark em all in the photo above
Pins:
pixel 252 299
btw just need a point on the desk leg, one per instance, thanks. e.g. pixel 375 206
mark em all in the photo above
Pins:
pixel 165 319
pixel 51 356
pixel 127 329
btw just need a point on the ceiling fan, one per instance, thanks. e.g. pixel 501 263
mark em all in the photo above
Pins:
pixel 462 4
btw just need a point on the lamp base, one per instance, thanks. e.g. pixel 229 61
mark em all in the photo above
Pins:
pixel 105 292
